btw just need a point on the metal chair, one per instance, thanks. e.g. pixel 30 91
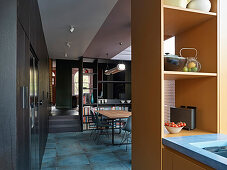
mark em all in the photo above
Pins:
pixel 94 121
pixel 101 126
pixel 127 132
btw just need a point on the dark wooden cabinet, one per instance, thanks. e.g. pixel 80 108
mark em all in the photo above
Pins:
pixel 22 113
pixel 23 7
pixel 33 24
pixel 21 30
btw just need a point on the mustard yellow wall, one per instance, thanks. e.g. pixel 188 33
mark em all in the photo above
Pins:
pixel 146 84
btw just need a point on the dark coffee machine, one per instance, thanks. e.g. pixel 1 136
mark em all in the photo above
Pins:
pixel 185 114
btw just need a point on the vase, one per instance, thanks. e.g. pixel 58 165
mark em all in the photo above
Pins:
pixel 92 98
pixel 202 5
pixel 177 3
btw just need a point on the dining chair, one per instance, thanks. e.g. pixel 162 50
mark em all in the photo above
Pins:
pixel 101 127
pixel 94 121
pixel 127 132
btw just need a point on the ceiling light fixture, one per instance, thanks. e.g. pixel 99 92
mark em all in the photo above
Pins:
pixel 121 43
pixel 66 55
pixel 119 68
pixel 72 29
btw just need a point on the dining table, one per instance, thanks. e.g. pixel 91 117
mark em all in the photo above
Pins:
pixel 113 115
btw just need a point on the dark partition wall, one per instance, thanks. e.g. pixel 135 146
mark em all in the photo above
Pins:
pixel 8 28
pixel 20 30
pixel 22 112
pixel 63 84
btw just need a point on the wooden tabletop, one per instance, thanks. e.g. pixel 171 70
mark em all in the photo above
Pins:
pixel 115 114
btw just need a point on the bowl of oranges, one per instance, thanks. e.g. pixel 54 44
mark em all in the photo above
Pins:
pixel 174 128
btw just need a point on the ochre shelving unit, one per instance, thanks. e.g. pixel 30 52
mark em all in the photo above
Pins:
pixel 152 23
pixel 193 28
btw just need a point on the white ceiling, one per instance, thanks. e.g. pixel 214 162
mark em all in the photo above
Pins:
pixel 124 55
pixel 86 15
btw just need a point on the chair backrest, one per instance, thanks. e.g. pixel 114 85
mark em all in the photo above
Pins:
pixel 93 116
pixel 128 125
pixel 98 122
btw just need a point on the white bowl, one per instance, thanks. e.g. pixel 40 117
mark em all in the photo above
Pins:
pixel 128 101
pixel 122 101
pixel 173 129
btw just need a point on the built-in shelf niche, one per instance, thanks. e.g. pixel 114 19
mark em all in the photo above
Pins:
pixel 193 88
pixel 198 92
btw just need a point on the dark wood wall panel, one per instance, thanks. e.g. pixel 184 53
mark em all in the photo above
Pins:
pixel 20 29
pixel 23 14
pixel 8 29
pixel 22 113
pixel 38 43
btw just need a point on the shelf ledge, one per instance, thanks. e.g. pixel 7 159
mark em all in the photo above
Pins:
pixel 187 133
pixel 177 75
pixel 122 82
pixel 190 10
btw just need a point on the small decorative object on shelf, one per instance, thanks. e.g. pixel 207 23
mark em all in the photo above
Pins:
pixel 174 128
pixel 192 65
pixel 174 62
pixel 177 3
pixel 122 101
pixel 86 71
pixel 202 5
pixel 128 101
pixel 92 98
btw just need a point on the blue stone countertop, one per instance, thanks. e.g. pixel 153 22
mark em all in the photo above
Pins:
pixel 192 147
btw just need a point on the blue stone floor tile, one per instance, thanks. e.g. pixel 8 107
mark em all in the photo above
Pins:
pixel 123 155
pixel 49 162
pixel 109 166
pixel 50 153
pixel 102 158
pixel 49 168
pixel 77 151
pixel 70 149
pixel 127 164
pixel 80 159
pixel 51 145
pixel 78 167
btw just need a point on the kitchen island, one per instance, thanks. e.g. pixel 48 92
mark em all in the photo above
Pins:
pixel 193 147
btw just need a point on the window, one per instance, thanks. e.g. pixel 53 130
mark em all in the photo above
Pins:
pixel 53 82
pixel 169 46
pixel 76 83
pixel 86 83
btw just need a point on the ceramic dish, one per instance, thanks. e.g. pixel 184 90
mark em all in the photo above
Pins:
pixel 122 101
pixel 128 101
pixel 173 129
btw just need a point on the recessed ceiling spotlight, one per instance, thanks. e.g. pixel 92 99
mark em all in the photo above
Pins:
pixel 66 55
pixel 72 29
pixel 121 43
pixel 68 44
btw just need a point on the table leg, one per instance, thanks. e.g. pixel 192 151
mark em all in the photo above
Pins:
pixel 113 132
pixel 120 126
